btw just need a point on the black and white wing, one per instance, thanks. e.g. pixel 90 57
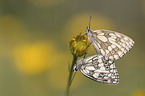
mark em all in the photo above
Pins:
pixel 110 44
pixel 98 69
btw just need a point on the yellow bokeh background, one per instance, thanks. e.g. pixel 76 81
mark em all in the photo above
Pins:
pixel 34 46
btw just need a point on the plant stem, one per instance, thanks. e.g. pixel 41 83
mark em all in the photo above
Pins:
pixel 70 74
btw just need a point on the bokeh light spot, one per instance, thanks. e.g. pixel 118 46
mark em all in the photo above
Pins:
pixel 139 93
pixel 34 58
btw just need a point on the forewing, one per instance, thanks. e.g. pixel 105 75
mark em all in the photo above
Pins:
pixel 110 44
pixel 100 70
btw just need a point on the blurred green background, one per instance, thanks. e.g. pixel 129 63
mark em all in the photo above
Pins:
pixel 34 52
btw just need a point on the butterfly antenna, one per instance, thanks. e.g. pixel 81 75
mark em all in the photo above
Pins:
pixel 90 21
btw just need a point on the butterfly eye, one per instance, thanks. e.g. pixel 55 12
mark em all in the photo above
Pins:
pixel 75 69
pixel 86 33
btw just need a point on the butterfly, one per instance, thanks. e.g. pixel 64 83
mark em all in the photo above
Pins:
pixel 110 44
pixel 98 69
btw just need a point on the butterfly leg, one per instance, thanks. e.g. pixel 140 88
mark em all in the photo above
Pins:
pixel 85 54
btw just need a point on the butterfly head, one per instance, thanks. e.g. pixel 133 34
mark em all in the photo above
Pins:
pixel 78 65
pixel 75 69
pixel 89 33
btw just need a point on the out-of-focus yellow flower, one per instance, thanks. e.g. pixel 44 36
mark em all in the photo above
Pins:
pixel 79 45
pixel 139 93
pixel 45 3
pixel 35 58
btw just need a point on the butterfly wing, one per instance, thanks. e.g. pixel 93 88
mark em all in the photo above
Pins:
pixel 110 44
pixel 99 69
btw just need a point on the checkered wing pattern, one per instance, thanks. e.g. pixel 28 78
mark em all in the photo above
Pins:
pixel 110 44
pixel 98 69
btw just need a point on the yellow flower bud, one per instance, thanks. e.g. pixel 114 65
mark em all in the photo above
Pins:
pixel 79 45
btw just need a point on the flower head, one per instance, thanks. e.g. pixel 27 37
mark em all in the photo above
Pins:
pixel 79 45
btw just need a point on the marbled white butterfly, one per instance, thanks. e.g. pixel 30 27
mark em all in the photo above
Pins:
pixel 110 44
pixel 98 69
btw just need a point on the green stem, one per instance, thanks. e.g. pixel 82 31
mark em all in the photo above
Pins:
pixel 70 74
